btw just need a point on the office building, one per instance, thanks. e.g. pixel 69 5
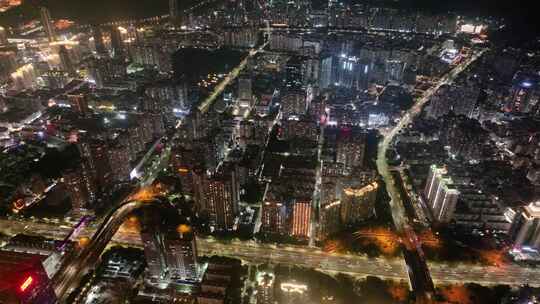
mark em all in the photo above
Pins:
pixel 46 21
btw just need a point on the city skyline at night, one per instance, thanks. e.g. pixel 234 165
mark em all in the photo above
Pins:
pixel 269 152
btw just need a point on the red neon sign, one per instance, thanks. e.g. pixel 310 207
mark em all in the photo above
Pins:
pixel 27 283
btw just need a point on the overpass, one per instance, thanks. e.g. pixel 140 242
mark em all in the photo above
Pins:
pixel 70 275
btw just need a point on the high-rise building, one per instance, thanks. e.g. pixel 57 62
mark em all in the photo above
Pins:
pixel 65 60
pixel 265 288
pixel 8 65
pixel 329 219
pixel 441 194
pixel 79 103
pixel 351 146
pixel 293 102
pixel 358 202
pixel 244 91
pixel 117 44
pixel 76 188
pixel 24 280
pixel 153 242
pixel 181 254
pixel 525 229
pixel 301 218
pixel 524 94
pixel 171 252
pixel 293 73
pixel 118 157
pixel 274 217
pixel 47 23
pixel 219 199
pixel 3 36
pixel 173 10
pixel 98 41
pixel 326 78
pixel 444 203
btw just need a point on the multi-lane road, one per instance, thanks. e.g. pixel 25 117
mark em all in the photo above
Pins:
pixel 292 255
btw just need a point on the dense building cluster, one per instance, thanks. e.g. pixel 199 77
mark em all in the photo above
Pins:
pixel 232 128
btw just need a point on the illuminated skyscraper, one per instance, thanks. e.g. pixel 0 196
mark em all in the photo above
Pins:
pixel 174 11
pixel 244 91
pixel 351 147
pixel 98 41
pixel 171 252
pixel 220 200
pixel 47 23
pixel 79 103
pixel 329 219
pixel 301 218
pixel 181 254
pixel 358 203
pixel 3 36
pixel 274 217
pixel 117 44
pixel 153 242
pixel 525 229
pixel 65 60
pixel 76 188
pixel 265 288
pixel 441 194
pixel 293 102
pixel 525 93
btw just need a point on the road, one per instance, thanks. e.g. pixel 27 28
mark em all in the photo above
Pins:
pixel 418 269
pixel 252 252
pixel 205 105
pixel 69 276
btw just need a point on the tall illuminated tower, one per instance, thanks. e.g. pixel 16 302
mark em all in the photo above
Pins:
pixel 173 10
pixel 3 36
pixel 47 23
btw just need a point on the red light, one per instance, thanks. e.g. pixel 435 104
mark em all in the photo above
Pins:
pixel 26 283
